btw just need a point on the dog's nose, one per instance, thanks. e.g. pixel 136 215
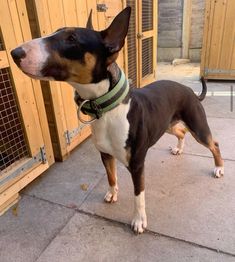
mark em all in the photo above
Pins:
pixel 17 54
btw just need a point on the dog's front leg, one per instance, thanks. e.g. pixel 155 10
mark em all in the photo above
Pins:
pixel 110 167
pixel 139 222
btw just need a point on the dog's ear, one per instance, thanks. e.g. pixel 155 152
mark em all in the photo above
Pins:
pixel 114 35
pixel 89 21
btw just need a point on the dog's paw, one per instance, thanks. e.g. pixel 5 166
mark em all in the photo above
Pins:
pixel 176 151
pixel 218 171
pixel 139 223
pixel 111 195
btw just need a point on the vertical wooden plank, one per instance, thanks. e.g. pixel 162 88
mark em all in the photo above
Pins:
pixel 3 59
pixel 228 43
pixel 43 17
pixel 81 7
pixel 15 21
pixel 232 65
pixel 232 37
pixel 70 14
pixel 187 12
pixel 217 34
pixel 56 14
pixel 24 21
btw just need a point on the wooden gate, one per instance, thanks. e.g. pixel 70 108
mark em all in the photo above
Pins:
pixel 218 52
pixel 47 16
pixel 142 42
pixel 25 146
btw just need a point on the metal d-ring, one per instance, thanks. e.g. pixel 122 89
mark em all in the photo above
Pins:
pixel 79 115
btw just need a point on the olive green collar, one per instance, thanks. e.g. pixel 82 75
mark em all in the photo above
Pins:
pixel 97 107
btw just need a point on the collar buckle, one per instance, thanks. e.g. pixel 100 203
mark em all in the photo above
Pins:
pixel 79 114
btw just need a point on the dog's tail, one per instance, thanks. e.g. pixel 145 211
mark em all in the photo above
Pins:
pixel 204 89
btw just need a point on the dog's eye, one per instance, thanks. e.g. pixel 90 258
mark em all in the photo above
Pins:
pixel 72 38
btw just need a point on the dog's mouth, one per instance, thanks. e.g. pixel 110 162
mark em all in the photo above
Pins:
pixel 31 75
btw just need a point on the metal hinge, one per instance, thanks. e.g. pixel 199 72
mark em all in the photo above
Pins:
pixel 43 155
pixel 40 157
pixel 219 71
pixel 155 74
pixel 101 7
pixel 69 135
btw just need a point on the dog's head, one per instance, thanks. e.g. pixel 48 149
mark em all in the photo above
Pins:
pixel 79 55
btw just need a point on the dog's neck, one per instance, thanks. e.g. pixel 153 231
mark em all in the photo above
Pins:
pixel 95 90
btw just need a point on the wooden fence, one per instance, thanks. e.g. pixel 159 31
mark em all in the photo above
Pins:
pixel 218 53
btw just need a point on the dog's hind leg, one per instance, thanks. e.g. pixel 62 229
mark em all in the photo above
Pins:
pixel 213 146
pixel 179 130
pixel 219 163
pixel 198 127
pixel 110 167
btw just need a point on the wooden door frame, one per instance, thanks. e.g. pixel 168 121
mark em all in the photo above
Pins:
pixel 151 33
pixel 138 21
pixel 15 30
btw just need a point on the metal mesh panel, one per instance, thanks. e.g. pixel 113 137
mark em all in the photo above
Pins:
pixel 12 141
pixel 131 46
pixel 147 56
pixel 147 15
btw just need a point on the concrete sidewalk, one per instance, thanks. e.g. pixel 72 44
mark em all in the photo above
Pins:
pixel 191 216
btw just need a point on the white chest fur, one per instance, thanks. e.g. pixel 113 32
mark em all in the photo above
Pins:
pixel 110 132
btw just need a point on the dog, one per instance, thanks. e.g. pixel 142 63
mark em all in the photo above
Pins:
pixel 126 122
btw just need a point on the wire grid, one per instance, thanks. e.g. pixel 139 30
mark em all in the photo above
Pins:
pixel 12 141
pixel 147 56
pixel 131 46
pixel 147 15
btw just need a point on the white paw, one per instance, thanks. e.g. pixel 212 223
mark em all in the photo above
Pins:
pixel 218 171
pixel 111 195
pixel 176 151
pixel 139 223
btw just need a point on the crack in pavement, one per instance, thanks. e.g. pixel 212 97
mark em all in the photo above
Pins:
pixel 151 232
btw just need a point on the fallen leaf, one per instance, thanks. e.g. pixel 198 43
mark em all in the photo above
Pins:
pixel 84 187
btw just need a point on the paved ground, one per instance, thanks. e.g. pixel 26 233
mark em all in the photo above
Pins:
pixel 191 216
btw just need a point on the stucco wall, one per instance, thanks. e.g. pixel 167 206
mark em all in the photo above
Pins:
pixel 170 22
pixel 197 23
pixel 170 18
